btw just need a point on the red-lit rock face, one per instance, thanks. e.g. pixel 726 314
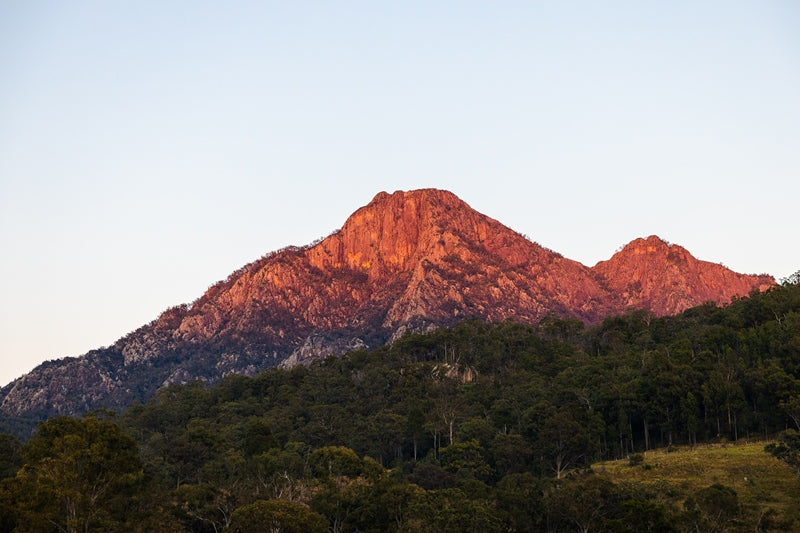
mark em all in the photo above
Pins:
pixel 426 257
pixel 395 232
pixel 409 260
pixel 665 278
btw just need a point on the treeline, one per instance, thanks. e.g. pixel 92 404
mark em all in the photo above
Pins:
pixel 486 427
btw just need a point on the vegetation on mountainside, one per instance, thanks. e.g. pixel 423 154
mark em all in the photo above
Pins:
pixel 490 427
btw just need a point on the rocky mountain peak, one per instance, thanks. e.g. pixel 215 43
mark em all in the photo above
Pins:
pixel 395 231
pixel 410 260
pixel 665 278
pixel 651 244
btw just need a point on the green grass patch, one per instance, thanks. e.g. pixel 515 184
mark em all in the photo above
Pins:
pixel 768 490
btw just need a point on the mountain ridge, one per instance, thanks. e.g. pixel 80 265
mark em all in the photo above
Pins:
pixel 682 280
pixel 410 260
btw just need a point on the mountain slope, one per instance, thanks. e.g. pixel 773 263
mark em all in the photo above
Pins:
pixel 409 260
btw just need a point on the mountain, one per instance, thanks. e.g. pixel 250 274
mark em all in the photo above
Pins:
pixel 406 261
pixel 665 278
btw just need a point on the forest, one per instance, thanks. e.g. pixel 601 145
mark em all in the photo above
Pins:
pixel 478 427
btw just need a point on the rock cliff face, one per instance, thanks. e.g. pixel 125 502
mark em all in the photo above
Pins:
pixel 653 274
pixel 406 261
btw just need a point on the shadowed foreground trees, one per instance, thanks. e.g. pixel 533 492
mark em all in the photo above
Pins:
pixel 787 449
pixel 279 516
pixel 78 476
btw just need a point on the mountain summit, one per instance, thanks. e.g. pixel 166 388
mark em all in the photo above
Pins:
pixel 406 261
pixel 666 279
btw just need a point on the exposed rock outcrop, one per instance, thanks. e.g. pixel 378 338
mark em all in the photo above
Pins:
pixel 406 261
pixel 666 279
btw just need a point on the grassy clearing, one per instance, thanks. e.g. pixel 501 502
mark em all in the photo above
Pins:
pixel 761 481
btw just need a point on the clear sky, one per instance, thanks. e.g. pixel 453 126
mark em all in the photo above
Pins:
pixel 149 148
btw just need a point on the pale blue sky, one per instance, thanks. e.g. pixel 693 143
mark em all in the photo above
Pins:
pixel 148 149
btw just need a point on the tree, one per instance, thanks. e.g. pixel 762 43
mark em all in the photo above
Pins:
pixel 645 516
pixel 281 474
pixel 562 443
pixel 583 502
pixel 502 415
pixel 511 454
pixel 465 457
pixel 10 455
pixel 447 408
pixel 205 504
pixel 78 476
pixel 794 279
pixel 388 428
pixel 338 500
pixel 450 510
pixel 335 462
pixel 258 438
pixel 432 477
pixel 415 426
pixel 787 449
pixel 689 417
pixel 278 516
pixel 519 497
pixel 713 508
pixel 792 408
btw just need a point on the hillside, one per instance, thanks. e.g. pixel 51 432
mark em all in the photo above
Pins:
pixel 409 261
pixel 767 491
